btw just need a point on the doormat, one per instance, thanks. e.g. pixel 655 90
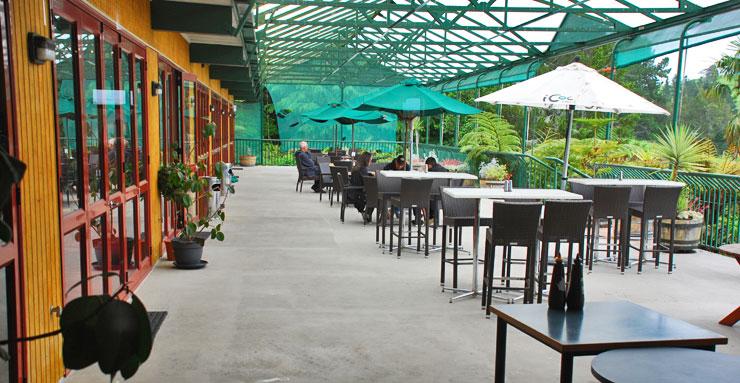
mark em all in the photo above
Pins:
pixel 155 320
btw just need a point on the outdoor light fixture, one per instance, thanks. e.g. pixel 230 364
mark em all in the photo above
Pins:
pixel 156 88
pixel 40 48
pixel 233 108
pixel 213 108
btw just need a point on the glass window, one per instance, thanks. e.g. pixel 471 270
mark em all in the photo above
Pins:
pixel 128 163
pixel 66 79
pixel 94 122
pixel 132 238
pixel 6 312
pixel 143 227
pixel 189 120
pixel 140 135
pixel 72 256
pixel 115 248
pixel 97 263
pixel 108 98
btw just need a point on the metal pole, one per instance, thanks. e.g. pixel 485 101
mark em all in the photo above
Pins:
pixel 352 150
pixel 525 129
pixel 564 180
pixel 441 129
pixel 426 129
pixel 680 74
pixel 262 126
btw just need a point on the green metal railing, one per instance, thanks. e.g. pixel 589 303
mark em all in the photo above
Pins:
pixel 442 152
pixel 528 171
pixel 717 192
pixel 573 172
pixel 281 152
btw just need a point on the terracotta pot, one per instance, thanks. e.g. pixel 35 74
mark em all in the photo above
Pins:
pixel 248 160
pixel 687 235
pixel 115 251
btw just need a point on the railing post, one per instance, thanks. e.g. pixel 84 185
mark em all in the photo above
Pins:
pixel 426 128
pixel 262 126
pixel 608 133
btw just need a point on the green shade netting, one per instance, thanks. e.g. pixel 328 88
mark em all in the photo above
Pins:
pixel 293 100
pixel 516 73
pixel 667 40
pixel 248 122
pixel 581 28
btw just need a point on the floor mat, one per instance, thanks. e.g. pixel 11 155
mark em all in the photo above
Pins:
pixel 155 320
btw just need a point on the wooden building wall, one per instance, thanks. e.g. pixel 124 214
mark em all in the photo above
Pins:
pixel 37 147
pixel 40 232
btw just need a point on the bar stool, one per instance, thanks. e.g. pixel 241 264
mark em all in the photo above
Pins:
pixel 611 203
pixel 659 204
pixel 564 224
pixel 387 187
pixel 458 213
pixel 371 198
pixel 414 195
pixel 512 224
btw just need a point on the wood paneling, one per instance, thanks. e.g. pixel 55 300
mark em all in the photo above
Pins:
pixel 37 147
pixel 155 216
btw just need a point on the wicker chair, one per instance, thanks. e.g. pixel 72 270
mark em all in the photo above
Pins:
pixel 659 204
pixel 414 195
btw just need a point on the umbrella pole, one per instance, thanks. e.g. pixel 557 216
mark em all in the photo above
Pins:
pixel 564 180
pixel 409 130
pixel 353 140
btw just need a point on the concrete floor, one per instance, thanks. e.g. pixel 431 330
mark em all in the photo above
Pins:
pixel 293 295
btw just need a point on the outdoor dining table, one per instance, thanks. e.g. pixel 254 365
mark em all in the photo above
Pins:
pixel 599 327
pixel 585 186
pixel 479 194
pixel 414 174
pixel 665 365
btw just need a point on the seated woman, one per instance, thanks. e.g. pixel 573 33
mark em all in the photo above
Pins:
pixel 359 197
pixel 398 163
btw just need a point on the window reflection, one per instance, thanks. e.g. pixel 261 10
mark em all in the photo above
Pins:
pixel 93 125
pixel 69 152
pixel 97 264
pixel 139 89
pixel 72 256
pixel 128 159
pixel 109 98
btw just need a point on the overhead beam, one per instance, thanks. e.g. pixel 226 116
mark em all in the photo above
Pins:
pixel 218 54
pixel 180 17
pixel 230 73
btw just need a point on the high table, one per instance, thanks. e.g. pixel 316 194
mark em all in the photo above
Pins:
pixel 479 194
pixel 599 327
pixel 585 186
pixel 433 175
pixel 665 365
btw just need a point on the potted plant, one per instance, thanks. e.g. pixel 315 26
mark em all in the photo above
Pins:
pixel 493 174
pixel 248 159
pixel 684 150
pixel 180 183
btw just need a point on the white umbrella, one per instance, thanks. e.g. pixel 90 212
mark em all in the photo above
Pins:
pixel 573 87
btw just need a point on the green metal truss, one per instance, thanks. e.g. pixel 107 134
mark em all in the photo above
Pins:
pixel 378 42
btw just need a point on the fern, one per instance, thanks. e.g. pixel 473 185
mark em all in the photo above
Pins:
pixel 488 132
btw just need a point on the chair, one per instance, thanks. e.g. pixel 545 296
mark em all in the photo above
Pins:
pixel 342 186
pixel 323 159
pixel 326 180
pixel 564 223
pixel 658 204
pixel 512 224
pixel 302 176
pixel 458 213
pixel 414 195
pixel 347 164
pixel 611 203
pixel 434 205
pixel 371 195
pixel 375 167
pixel 387 187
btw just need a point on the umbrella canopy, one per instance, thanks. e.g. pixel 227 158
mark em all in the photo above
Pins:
pixel 573 87
pixel 409 100
pixel 345 115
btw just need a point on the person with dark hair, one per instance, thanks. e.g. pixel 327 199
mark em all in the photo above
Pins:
pixel 398 163
pixel 434 166
pixel 359 197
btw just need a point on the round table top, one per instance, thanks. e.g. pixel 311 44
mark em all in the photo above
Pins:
pixel 659 365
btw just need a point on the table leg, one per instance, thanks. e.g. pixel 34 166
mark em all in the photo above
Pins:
pixel 500 367
pixel 476 233
pixel 566 368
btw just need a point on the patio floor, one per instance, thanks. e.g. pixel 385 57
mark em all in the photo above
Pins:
pixel 295 295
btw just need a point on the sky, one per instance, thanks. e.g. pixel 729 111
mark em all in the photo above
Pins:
pixel 700 57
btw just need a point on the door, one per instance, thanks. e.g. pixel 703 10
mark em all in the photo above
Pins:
pixel 171 138
pixel 10 302
pixel 101 129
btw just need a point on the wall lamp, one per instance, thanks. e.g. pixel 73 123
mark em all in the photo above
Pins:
pixel 40 48
pixel 156 89
pixel 212 108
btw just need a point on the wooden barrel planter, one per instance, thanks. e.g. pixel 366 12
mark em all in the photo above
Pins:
pixel 248 160
pixel 687 236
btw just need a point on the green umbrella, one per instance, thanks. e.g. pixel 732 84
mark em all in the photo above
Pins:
pixel 409 100
pixel 342 114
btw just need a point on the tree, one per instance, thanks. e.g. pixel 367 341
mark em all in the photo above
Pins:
pixel 728 83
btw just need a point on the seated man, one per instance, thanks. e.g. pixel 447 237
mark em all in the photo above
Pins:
pixel 310 168
pixel 398 163
pixel 434 166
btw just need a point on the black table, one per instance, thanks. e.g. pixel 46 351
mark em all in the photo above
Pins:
pixel 665 365
pixel 601 326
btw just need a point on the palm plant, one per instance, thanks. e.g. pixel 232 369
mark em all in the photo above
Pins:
pixel 488 132
pixel 683 149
